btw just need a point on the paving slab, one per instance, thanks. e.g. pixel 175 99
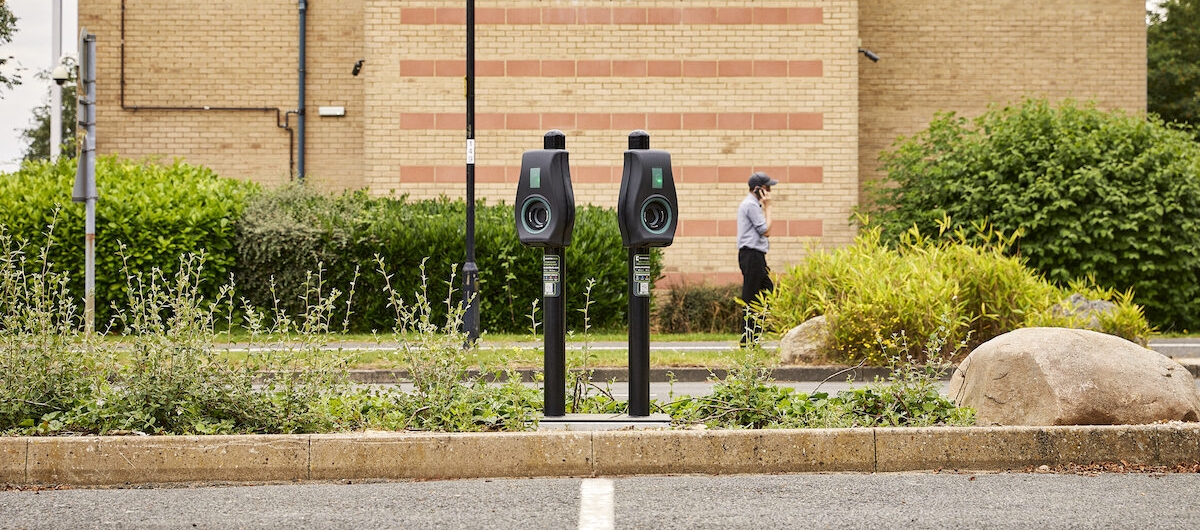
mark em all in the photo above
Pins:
pixel 449 456
pixel 13 452
pixel 721 452
pixel 109 460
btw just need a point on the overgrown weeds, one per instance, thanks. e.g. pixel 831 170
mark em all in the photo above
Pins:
pixel 46 367
pixel 177 377
pixel 748 398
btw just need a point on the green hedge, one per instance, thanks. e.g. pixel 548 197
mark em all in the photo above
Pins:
pixel 275 244
pixel 148 215
pixel 701 308
pixel 1092 193
pixel 289 231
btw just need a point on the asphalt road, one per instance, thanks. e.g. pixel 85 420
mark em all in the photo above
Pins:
pixel 905 500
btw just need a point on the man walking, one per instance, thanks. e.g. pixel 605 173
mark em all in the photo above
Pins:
pixel 754 227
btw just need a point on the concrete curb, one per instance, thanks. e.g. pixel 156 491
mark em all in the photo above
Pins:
pixel 121 460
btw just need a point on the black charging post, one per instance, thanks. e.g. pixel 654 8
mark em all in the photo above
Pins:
pixel 545 216
pixel 647 214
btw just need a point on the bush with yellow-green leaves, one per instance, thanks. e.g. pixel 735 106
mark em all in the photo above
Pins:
pixel 871 292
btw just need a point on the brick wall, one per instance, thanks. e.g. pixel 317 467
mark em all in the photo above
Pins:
pixel 727 87
pixel 218 97
pixel 962 56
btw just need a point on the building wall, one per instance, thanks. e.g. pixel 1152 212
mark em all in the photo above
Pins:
pixel 943 55
pixel 727 87
pixel 727 90
pixel 211 82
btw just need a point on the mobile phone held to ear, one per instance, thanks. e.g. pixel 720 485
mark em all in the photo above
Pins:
pixel 758 192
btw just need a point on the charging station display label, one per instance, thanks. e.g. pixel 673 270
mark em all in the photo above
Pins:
pixel 641 275
pixel 535 177
pixel 551 276
pixel 656 178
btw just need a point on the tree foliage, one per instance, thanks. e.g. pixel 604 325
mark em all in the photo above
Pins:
pixel 37 137
pixel 8 26
pixel 1093 194
pixel 1173 61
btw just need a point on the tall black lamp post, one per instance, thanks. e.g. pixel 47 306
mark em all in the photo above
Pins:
pixel 470 270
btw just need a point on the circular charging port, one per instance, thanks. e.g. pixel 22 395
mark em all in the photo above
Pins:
pixel 656 215
pixel 535 214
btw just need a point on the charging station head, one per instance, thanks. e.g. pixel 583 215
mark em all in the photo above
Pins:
pixel 647 208
pixel 545 203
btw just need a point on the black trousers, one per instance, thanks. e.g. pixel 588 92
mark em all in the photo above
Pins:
pixel 756 278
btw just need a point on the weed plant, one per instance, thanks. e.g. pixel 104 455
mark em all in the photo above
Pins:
pixel 446 395
pixel 584 395
pixel 46 367
pixel 748 398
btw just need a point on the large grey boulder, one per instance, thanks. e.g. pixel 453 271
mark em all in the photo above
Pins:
pixel 1058 376
pixel 807 343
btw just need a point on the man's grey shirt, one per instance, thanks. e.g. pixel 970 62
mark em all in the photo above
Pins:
pixel 751 225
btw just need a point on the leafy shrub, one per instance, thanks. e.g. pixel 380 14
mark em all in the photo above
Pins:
pixel 871 294
pixel 292 232
pixel 158 212
pixel 289 234
pixel 1093 194
pixel 700 308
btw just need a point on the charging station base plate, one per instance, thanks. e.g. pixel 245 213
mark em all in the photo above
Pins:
pixel 603 422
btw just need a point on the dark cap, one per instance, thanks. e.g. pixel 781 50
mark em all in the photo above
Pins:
pixel 761 179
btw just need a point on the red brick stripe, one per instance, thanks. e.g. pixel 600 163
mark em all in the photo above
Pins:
pixel 728 228
pixel 663 121
pixel 615 15
pixel 612 174
pixel 612 68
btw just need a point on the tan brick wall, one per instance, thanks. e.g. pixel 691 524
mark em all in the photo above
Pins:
pixel 224 54
pixel 727 87
pixel 961 56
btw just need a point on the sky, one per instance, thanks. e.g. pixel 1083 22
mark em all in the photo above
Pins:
pixel 31 51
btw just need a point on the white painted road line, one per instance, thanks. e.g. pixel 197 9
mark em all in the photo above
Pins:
pixel 596 510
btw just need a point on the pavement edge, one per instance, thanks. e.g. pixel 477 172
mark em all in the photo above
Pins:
pixel 128 460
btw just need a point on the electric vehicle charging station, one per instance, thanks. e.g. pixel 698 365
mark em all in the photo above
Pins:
pixel 545 217
pixel 647 214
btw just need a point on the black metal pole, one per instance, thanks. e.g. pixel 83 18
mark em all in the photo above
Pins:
pixel 639 314
pixel 553 274
pixel 302 76
pixel 470 270
pixel 639 331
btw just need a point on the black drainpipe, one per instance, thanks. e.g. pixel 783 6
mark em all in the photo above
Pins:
pixel 300 106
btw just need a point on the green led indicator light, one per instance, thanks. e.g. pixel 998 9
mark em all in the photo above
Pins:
pixel 535 177
pixel 657 178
